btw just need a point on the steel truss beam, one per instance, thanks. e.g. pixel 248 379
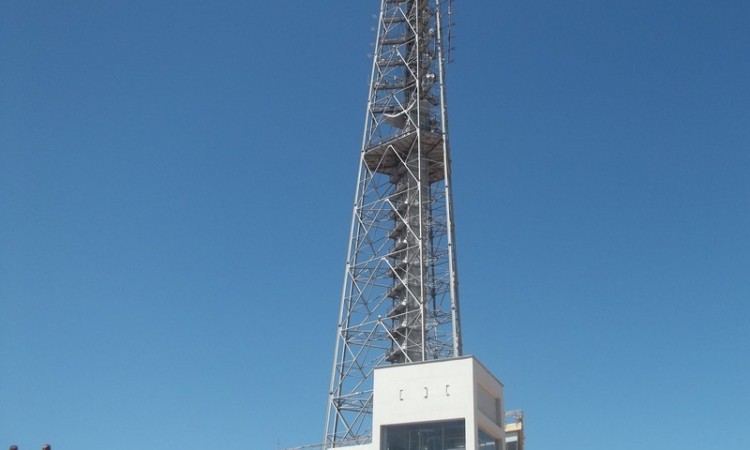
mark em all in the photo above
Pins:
pixel 399 301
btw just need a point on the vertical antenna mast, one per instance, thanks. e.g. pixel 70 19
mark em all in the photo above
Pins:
pixel 399 301
pixel 449 32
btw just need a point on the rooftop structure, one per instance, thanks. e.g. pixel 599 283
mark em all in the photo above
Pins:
pixel 514 434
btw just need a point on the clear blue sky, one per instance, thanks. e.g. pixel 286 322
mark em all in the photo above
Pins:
pixel 176 180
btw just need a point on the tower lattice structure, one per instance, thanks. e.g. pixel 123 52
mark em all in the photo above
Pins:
pixel 400 296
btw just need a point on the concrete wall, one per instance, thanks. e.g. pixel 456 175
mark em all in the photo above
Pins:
pixel 457 388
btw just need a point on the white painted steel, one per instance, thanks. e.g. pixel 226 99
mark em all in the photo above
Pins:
pixel 399 300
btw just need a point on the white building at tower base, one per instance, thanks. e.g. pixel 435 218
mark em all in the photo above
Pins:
pixel 446 404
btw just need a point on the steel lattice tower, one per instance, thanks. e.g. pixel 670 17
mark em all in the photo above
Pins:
pixel 400 296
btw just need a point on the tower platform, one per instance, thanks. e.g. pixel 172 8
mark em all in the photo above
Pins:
pixel 388 156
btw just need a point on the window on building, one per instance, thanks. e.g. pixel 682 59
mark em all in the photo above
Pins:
pixel 487 442
pixel 511 442
pixel 446 435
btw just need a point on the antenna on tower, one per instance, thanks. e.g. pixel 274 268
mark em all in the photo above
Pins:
pixel 450 25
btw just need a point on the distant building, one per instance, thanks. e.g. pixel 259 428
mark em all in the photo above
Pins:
pixel 514 437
